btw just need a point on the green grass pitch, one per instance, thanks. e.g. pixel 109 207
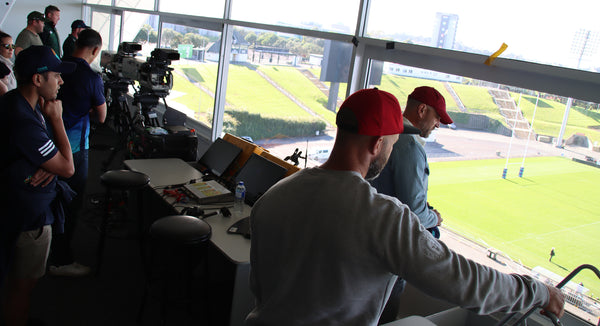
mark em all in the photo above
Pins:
pixel 555 204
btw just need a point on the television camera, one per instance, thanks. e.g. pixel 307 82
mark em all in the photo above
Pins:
pixel 151 80
pixel 123 68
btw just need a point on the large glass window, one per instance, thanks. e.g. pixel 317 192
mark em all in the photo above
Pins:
pixel 334 15
pixel 499 178
pixel 556 33
pixel 99 2
pixel 137 4
pixel 101 22
pixel 204 8
pixel 285 87
pixel 195 73
pixel 141 28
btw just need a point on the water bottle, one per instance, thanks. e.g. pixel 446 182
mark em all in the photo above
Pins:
pixel 240 196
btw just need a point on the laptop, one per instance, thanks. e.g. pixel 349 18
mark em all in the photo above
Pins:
pixel 258 174
pixel 218 158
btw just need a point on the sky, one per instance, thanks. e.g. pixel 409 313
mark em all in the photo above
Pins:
pixel 537 30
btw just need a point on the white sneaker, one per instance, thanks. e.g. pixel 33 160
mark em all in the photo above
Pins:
pixel 72 270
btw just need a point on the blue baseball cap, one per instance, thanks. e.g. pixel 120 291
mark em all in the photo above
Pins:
pixel 78 24
pixel 38 59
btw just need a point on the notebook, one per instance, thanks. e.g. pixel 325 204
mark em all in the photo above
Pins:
pixel 208 192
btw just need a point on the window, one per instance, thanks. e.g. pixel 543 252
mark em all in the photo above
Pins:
pixel 99 2
pixel 195 74
pixel 204 8
pixel 557 33
pixel 282 85
pixel 137 4
pixel 335 16
pixel 501 131
pixel 141 28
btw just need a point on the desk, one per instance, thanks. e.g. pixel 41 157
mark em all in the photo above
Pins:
pixel 234 247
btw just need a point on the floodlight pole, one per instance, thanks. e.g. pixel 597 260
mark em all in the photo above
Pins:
pixel 588 42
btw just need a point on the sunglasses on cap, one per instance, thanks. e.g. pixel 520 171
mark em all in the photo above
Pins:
pixel 8 46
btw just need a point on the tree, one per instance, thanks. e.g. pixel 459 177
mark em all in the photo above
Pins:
pixel 197 40
pixel 268 39
pixel 144 34
pixel 168 35
pixel 251 38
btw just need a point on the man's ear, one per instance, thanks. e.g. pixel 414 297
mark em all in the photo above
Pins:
pixel 376 145
pixel 37 79
pixel 422 110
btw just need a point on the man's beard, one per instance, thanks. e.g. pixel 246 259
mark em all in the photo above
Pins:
pixel 375 167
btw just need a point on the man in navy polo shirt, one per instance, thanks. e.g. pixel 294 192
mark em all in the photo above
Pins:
pixel 30 160
pixel 83 91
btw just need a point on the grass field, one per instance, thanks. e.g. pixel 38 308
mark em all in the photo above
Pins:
pixel 556 204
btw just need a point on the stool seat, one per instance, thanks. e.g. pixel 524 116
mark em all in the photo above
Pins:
pixel 120 180
pixel 180 229
pixel 124 179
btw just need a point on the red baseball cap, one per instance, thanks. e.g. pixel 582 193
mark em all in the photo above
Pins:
pixel 372 112
pixel 430 96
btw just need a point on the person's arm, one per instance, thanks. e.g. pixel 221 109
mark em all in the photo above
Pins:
pixel 100 112
pixel 429 265
pixel 410 177
pixel 62 162
pixel 99 101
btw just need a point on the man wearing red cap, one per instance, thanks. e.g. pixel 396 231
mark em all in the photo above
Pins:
pixel 407 172
pixel 326 246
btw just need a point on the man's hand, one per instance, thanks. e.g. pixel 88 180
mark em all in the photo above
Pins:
pixel 556 305
pixel 439 217
pixel 51 109
pixel 42 178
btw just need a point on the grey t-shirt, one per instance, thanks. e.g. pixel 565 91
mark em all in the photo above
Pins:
pixel 27 38
pixel 326 249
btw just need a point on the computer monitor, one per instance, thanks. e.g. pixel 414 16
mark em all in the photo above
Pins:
pixel 219 156
pixel 258 174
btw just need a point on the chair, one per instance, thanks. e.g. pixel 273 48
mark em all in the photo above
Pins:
pixel 177 236
pixel 122 180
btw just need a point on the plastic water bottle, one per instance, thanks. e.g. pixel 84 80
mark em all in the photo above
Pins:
pixel 240 196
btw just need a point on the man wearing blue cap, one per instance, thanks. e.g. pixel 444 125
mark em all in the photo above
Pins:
pixel 69 44
pixel 31 158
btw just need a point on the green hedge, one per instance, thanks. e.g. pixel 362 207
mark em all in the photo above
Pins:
pixel 243 123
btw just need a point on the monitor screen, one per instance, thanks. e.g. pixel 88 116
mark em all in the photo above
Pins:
pixel 219 156
pixel 258 174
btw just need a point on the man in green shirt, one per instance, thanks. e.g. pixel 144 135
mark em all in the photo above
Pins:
pixel 50 36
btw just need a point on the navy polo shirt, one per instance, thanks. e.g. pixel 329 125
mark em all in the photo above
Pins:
pixel 25 145
pixel 82 90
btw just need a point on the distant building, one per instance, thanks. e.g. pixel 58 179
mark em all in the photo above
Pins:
pixel 239 50
pixel 444 31
pixel 401 70
pixel 315 59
